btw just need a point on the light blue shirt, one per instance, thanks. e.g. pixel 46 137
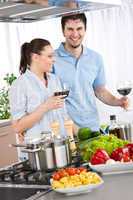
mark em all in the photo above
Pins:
pixel 57 2
pixel 82 75
pixel 27 93
pixel 62 2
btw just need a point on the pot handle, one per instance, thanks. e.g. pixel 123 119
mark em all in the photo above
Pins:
pixel 17 145
pixel 31 150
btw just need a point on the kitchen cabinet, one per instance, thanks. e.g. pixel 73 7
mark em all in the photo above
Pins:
pixel 8 154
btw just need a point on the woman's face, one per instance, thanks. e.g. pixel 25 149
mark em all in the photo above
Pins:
pixel 45 59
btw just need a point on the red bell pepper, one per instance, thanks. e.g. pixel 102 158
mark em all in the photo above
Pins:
pixel 121 154
pixel 130 148
pixel 99 157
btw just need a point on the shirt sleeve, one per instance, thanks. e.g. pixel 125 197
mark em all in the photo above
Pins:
pixel 17 99
pixel 100 78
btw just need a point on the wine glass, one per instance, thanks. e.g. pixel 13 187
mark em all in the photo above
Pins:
pixel 124 88
pixel 66 89
pixel 64 92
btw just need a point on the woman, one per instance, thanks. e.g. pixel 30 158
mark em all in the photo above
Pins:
pixel 33 104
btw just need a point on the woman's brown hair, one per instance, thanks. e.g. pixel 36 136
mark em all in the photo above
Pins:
pixel 35 46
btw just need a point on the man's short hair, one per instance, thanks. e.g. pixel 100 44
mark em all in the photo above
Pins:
pixel 80 16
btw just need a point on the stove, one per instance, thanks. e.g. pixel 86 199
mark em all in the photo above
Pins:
pixel 21 173
pixel 20 182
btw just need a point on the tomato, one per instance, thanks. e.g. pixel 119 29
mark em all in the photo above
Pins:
pixel 77 170
pixel 71 171
pixel 56 176
pixel 62 173
pixel 82 169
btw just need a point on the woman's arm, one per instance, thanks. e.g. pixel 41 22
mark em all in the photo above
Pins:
pixel 29 120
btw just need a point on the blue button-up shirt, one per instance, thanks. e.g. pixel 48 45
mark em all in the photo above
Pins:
pixel 82 75
pixel 27 93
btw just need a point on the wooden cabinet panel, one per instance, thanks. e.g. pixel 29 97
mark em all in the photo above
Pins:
pixel 8 154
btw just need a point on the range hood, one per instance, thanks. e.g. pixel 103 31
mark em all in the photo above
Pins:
pixel 21 12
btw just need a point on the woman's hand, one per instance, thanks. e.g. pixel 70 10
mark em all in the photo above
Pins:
pixel 54 102
pixel 27 121
pixel 21 137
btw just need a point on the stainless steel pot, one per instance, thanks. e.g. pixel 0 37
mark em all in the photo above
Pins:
pixel 35 157
pixel 49 154
pixel 35 154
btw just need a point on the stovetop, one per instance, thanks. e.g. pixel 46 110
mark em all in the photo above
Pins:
pixel 18 182
pixel 21 173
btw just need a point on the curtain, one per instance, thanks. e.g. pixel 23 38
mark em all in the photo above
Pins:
pixel 109 31
pixel 13 35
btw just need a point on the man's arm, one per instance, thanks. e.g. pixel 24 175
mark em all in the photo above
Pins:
pixel 106 97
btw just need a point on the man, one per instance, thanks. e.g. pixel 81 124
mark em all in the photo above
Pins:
pixel 82 69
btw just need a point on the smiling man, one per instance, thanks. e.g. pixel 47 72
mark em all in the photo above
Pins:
pixel 82 70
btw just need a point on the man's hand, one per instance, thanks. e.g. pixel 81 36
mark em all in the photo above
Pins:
pixel 124 102
pixel 106 97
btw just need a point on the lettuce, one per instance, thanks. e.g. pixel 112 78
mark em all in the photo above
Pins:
pixel 107 142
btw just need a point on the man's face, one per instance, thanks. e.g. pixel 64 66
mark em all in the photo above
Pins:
pixel 74 32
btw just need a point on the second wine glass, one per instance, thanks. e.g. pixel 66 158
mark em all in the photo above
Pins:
pixel 124 88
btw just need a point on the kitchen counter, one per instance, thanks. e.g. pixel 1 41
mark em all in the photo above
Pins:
pixel 7 136
pixel 117 187
pixel 5 122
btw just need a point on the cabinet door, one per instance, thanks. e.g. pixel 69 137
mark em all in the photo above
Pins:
pixel 8 154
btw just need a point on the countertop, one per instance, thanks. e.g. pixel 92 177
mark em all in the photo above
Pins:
pixel 115 187
pixel 5 122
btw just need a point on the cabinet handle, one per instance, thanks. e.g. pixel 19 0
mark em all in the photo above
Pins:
pixel 3 134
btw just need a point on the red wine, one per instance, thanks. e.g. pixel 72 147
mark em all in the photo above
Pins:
pixel 66 93
pixel 124 91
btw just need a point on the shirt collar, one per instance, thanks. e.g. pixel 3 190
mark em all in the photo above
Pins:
pixel 30 73
pixel 64 53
